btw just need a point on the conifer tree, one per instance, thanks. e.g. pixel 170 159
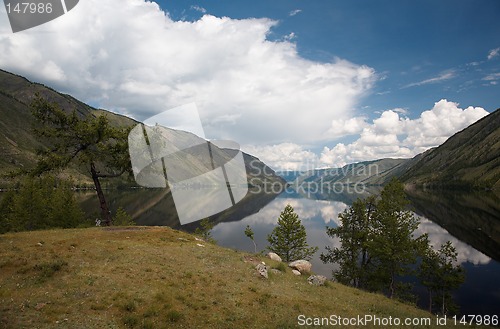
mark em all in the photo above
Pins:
pixel 353 232
pixel 90 141
pixel 440 274
pixel 39 203
pixel 250 235
pixel 391 240
pixel 378 245
pixel 289 238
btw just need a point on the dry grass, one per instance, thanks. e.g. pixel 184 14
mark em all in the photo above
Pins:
pixel 153 278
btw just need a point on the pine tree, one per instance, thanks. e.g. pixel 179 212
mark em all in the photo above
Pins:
pixel 391 242
pixel 250 235
pixel 205 230
pixel 289 238
pixel 353 232
pixel 377 243
pixel 122 218
pixel 40 203
pixel 90 141
pixel 440 275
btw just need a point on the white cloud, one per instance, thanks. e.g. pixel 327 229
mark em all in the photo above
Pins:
pixel 285 156
pixel 200 9
pixel 343 127
pixel 439 236
pixel 494 53
pixel 129 56
pixel 492 78
pixel 330 211
pixel 294 12
pixel 394 136
pixel 290 36
pixel 445 75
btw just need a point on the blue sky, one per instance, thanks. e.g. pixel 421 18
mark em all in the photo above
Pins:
pixel 406 42
pixel 299 84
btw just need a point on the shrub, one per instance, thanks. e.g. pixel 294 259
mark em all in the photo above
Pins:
pixel 122 218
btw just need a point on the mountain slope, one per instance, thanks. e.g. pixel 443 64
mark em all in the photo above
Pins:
pixel 18 145
pixel 376 172
pixel 152 277
pixel 468 159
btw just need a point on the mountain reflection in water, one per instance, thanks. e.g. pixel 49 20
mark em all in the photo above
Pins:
pixel 471 221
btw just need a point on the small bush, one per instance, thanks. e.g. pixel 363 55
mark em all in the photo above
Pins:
pixel 264 298
pixel 147 324
pixel 281 267
pixel 205 230
pixel 174 316
pixel 130 320
pixel 129 306
pixel 122 218
pixel 47 270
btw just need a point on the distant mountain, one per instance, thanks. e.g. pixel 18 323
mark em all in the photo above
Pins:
pixel 18 145
pixel 377 172
pixel 468 159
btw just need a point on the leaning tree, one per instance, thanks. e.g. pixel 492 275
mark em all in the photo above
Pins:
pixel 87 140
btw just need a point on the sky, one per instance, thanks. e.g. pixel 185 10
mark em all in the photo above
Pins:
pixel 299 84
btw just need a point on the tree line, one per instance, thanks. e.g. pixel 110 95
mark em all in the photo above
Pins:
pixel 379 250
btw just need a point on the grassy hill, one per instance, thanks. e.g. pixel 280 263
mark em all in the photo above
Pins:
pixel 468 159
pixel 157 277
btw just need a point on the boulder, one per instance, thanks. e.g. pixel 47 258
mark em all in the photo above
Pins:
pixel 276 271
pixel 317 280
pixel 303 266
pixel 295 272
pixel 262 270
pixel 274 256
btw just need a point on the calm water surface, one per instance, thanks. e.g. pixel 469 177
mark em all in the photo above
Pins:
pixel 480 294
pixel 470 221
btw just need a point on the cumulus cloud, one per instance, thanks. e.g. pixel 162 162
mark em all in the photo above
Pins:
pixel 494 53
pixel 130 57
pixel 439 236
pixel 393 135
pixel 345 127
pixel 284 156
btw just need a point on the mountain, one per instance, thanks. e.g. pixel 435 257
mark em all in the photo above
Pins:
pixel 468 159
pixel 18 145
pixel 377 172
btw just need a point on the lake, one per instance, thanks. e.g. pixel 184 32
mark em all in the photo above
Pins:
pixel 471 221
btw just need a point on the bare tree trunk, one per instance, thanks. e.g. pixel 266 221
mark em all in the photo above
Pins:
pixel 442 306
pixel 105 213
pixel 430 300
pixel 391 286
